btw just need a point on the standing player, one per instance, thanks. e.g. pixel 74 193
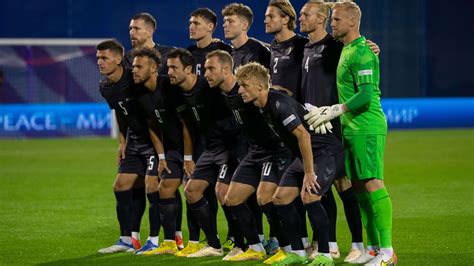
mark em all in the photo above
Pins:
pixel 141 29
pixel 285 66
pixel 237 21
pixel 218 161
pixel 135 148
pixel 261 168
pixel 318 88
pixel 287 46
pixel 311 173
pixel 160 107
pixel 364 129
pixel 202 24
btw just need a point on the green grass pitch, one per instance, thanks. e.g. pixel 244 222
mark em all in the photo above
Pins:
pixel 57 205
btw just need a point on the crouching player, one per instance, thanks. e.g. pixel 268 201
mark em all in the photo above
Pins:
pixel 319 159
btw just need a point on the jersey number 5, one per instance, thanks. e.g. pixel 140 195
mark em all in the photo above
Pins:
pixel 151 162
pixel 123 108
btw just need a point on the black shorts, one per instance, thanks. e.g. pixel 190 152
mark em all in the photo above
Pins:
pixel 137 158
pixel 261 165
pixel 215 166
pixel 174 160
pixel 327 167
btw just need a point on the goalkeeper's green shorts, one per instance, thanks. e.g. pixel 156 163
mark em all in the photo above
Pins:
pixel 364 156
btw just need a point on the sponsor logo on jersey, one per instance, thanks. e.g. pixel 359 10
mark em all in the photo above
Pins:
pixel 366 72
pixel 289 119
pixel 320 49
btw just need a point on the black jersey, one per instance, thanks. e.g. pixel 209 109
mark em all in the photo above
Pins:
pixel 161 108
pixel 205 106
pixel 162 49
pixel 318 75
pixel 122 97
pixel 199 54
pixel 283 114
pixel 285 63
pixel 252 51
pixel 252 122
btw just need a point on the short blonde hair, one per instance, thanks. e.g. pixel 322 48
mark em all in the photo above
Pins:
pixel 253 70
pixel 351 7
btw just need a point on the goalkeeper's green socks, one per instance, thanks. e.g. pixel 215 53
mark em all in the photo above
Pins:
pixel 367 216
pixel 382 207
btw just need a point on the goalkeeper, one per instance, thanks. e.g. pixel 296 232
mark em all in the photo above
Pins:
pixel 364 129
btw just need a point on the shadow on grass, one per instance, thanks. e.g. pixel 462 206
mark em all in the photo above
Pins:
pixel 130 259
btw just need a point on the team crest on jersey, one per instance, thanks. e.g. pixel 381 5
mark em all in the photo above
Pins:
pixel 288 51
pixel 320 49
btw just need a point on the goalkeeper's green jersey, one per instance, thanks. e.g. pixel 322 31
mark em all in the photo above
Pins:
pixel 359 65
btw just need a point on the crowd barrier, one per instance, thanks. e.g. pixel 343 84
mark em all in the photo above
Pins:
pixel 94 119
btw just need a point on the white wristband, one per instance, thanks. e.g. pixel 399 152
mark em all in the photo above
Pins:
pixel 188 157
pixel 161 156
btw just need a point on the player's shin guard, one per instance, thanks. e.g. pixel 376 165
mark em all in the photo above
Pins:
pixel 139 206
pixel 252 203
pixel 329 204
pixel 290 220
pixel 382 207
pixel 179 216
pixel 302 212
pixel 351 209
pixel 320 222
pixel 154 213
pixel 124 211
pixel 193 225
pixel 238 234
pixel 275 224
pixel 366 214
pixel 246 222
pixel 168 213
pixel 206 219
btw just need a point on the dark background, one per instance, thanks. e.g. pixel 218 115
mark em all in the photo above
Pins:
pixel 426 45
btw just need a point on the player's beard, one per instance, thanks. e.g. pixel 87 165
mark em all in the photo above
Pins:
pixel 338 36
pixel 175 81
pixel 136 43
pixel 216 84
